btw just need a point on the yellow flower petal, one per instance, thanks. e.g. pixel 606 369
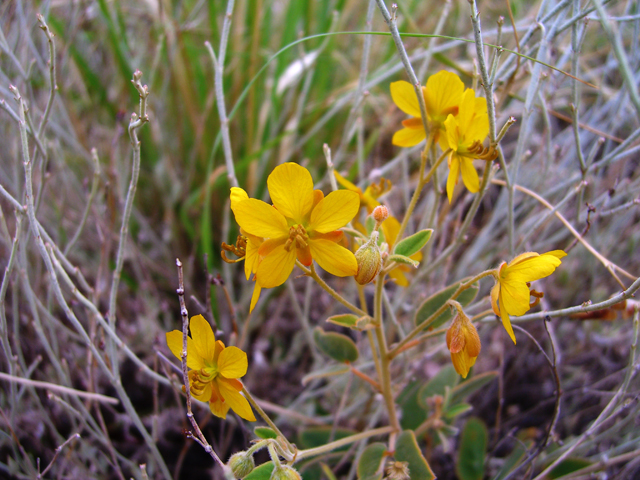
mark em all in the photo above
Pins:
pixel 237 196
pixel 261 219
pixel 235 400
pixel 333 258
pixel 205 394
pixel 478 130
pixel 275 268
pixel 495 294
pixel 514 297
pixel 506 321
pixel 203 337
pixel 399 277
pixel 469 175
pixel 219 408
pixel 346 183
pixel 251 258
pixel 291 190
pixel 334 211
pixel 232 363
pixel 443 95
pixel 533 268
pixel 453 135
pixel 404 96
pixel 452 179
pixel 255 296
pixel 174 342
pixel 390 229
pixel 408 137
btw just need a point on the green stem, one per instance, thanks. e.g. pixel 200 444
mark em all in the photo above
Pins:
pixel 385 379
pixel 312 452
pixel 421 183
pixel 311 272
pixel 461 288
pixel 268 420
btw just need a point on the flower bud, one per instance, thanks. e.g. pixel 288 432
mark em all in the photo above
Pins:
pixel 285 472
pixel 463 342
pixel 380 214
pixel 241 464
pixel 369 260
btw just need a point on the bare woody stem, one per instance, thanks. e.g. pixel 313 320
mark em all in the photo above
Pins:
pixel 184 313
pixel 312 452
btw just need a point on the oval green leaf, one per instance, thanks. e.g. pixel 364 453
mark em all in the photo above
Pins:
pixel 438 299
pixel 263 472
pixel 473 449
pixel 336 345
pixel 407 450
pixel 264 432
pixel 403 260
pixel 345 320
pixel 413 244
pixel 370 460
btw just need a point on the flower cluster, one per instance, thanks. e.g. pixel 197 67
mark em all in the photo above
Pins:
pixel 215 369
pixel 302 224
pixel 457 121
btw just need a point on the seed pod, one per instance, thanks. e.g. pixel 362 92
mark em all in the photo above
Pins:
pixel 285 472
pixel 241 464
pixel 369 260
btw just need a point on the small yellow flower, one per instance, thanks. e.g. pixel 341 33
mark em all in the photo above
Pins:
pixel 442 96
pixel 511 294
pixel 304 225
pixel 368 198
pixel 391 228
pixel 215 369
pixel 463 342
pixel 465 133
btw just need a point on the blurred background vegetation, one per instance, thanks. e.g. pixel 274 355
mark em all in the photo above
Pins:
pixel 294 80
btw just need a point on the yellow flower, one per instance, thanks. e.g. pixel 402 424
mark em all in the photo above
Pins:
pixel 302 225
pixel 368 198
pixel 465 133
pixel 215 369
pixel 442 96
pixel 391 228
pixel 510 295
pixel 463 342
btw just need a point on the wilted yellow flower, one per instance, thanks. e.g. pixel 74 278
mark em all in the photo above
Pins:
pixel 465 134
pixel 511 294
pixel 304 225
pixel 442 96
pixel 463 342
pixel 215 369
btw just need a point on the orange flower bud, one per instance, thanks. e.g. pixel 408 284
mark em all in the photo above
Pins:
pixel 463 342
pixel 380 214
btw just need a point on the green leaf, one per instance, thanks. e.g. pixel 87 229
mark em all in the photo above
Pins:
pixel 457 410
pixel 438 299
pixel 407 450
pixel 473 449
pixel 413 411
pixel 472 385
pixel 404 260
pixel 568 466
pixel 264 432
pixel 447 377
pixel 318 436
pixel 370 461
pixel 330 371
pixel 336 345
pixel 413 244
pixel 345 320
pixel 263 472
